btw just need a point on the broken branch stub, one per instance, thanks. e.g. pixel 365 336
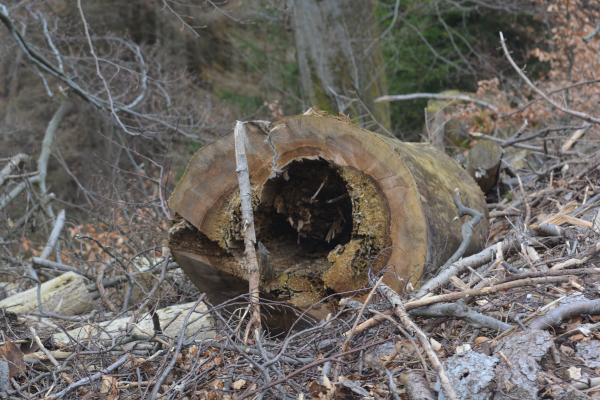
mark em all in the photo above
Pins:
pixel 330 200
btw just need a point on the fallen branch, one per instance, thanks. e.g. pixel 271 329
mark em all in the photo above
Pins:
pixel 400 311
pixel 577 261
pixel 476 260
pixel 360 314
pixel 580 271
pixel 467 229
pixel 513 139
pixel 413 96
pixel 91 378
pixel 461 311
pixel 56 266
pixel 371 322
pixel 169 367
pixel 66 293
pixel 54 235
pixel 417 386
pixel 12 164
pixel 484 291
pixel 555 317
pixel 248 226
pixel 550 229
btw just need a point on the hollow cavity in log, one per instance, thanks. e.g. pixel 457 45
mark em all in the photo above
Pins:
pixel 315 219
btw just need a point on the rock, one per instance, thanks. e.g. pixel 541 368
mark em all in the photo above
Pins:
pixel 471 374
pixel 524 350
pixel 590 352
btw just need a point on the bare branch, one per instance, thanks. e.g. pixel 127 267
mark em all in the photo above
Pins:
pixel 248 223
pixel 413 96
pixel 578 114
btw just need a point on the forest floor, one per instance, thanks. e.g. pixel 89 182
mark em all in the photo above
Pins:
pixel 520 320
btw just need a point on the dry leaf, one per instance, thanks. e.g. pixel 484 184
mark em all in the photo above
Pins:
pixel 11 353
pixel 237 385
pixel 567 350
pixel 577 337
pixel 109 387
pixel 326 382
pixel 480 339
pixel 192 351
pixel 574 373
pixel 462 347
pixel 437 346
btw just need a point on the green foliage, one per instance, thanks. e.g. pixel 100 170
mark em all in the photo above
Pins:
pixel 265 64
pixel 241 101
pixel 424 54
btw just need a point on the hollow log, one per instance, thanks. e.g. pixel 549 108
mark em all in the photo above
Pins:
pixel 330 201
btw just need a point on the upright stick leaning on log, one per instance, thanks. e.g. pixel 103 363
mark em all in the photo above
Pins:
pixel 248 218
pixel 401 313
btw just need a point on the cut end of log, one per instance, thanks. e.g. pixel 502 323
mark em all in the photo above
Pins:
pixel 330 201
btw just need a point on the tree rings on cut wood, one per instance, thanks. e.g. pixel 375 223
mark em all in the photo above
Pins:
pixel 330 201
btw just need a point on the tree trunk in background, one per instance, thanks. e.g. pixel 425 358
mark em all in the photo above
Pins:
pixel 337 60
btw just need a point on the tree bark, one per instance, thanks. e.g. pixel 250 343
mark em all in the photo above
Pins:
pixel 483 163
pixel 337 59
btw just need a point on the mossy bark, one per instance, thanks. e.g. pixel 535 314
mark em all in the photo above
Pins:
pixel 393 208
pixel 339 58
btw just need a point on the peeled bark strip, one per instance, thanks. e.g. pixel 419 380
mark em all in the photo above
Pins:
pixel 239 134
pixel 327 197
pixel 65 295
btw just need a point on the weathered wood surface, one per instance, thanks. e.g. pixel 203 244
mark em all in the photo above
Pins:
pixel 395 201
pixel 483 163
pixel 109 329
pixel 65 295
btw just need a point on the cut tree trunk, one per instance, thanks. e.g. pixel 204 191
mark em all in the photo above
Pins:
pixel 330 201
pixel 64 295
pixel 483 163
